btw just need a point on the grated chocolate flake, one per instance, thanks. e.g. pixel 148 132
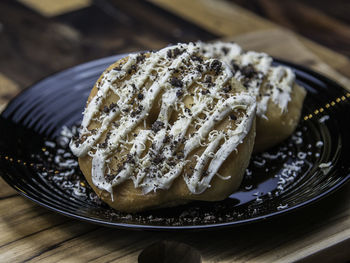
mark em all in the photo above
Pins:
pixel 140 96
pixel 227 89
pixel 179 93
pixel 249 71
pixel 233 117
pixel 216 66
pixel 225 50
pixel 157 126
pixel 105 109
pixel 176 82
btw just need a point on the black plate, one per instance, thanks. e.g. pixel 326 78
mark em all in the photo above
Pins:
pixel 35 161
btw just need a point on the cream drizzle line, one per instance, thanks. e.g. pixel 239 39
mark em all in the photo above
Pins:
pixel 235 138
pixel 241 101
pixel 90 111
pixel 99 159
pixel 178 131
pixel 279 77
pixel 136 151
pixel 182 125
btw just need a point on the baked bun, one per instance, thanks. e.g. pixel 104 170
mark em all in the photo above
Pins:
pixel 163 128
pixel 279 98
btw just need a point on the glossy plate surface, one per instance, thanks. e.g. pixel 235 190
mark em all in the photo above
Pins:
pixel 35 160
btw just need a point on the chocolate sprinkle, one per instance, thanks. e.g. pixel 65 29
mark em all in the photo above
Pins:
pixel 174 53
pixel 227 88
pixel 233 117
pixel 248 71
pixel 158 159
pixel 105 109
pixel 103 145
pixel 216 66
pixel 179 93
pixel 140 96
pixel 157 126
pixel 176 82
pixel 208 80
pixel 225 50
pixel 197 58
pixel 130 159
pixel 140 58
pixel 235 66
pixel 205 91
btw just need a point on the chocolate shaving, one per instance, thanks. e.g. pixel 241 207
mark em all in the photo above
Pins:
pixel 197 58
pixel 140 96
pixel 176 82
pixel 130 159
pixel 109 177
pixel 233 117
pixel 225 50
pixel 105 109
pixel 235 66
pixel 132 69
pixel 103 145
pixel 248 71
pixel 216 66
pixel 157 126
pixel 199 68
pixel 227 88
pixel 205 91
pixel 174 53
pixel 158 159
pixel 180 154
pixel 140 58
pixel 208 80
pixel 179 93
pixel 166 139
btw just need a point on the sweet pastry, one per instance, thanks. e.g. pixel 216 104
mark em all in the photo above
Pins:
pixel 165 127
pixel 279 98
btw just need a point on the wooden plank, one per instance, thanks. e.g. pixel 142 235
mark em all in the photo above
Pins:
pixel 291 49
pixel 220 17
pixel 53 8
pixel 48 45
pixel 230 20
pixel 8 89
pixel 322 21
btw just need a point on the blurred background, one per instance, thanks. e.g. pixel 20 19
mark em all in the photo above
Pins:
pixel 39 37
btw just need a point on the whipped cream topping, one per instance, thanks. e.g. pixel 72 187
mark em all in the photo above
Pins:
pixel 156 155
pixel 256 72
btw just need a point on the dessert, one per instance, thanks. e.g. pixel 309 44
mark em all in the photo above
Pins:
pixel 165 127
pixel 279 98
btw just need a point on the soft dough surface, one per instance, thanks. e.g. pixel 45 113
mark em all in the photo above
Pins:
pixel 164 128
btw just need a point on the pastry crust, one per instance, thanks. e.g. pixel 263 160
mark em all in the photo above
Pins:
pixel 279 98
pixel 211 166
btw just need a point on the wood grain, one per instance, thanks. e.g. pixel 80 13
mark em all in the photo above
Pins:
pixel 33 46
pixel 53 7
pixel 319 233
pixel 8 89
pixel 239 21
pixel 323 21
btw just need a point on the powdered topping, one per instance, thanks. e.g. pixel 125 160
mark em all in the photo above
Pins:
pixel 179 99
pixel 256 72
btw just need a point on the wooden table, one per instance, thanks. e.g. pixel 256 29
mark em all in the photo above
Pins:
pixel 38 38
